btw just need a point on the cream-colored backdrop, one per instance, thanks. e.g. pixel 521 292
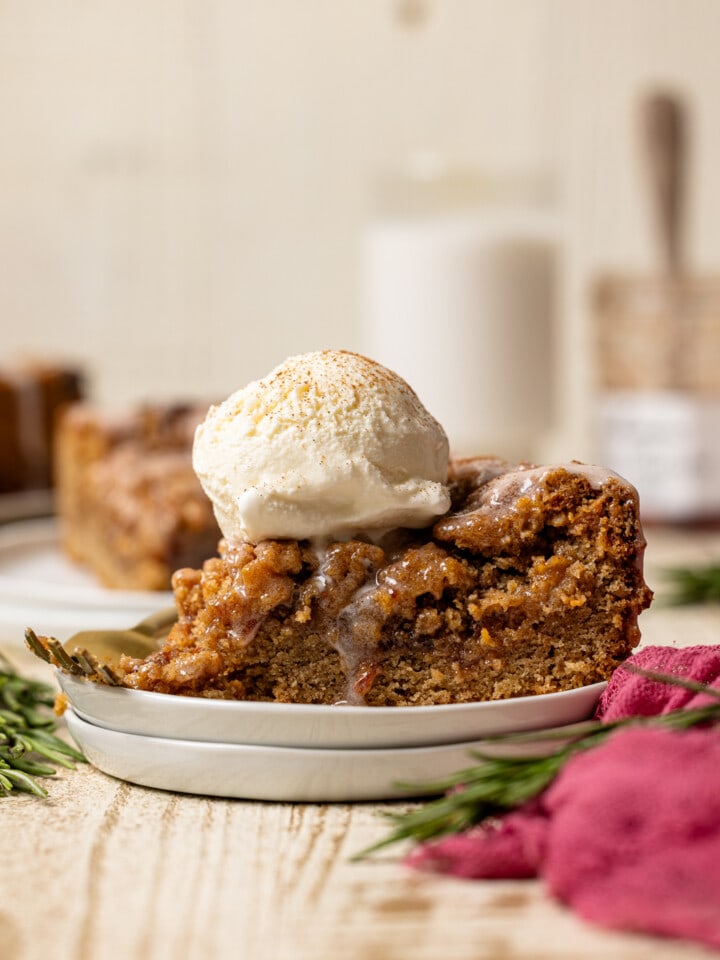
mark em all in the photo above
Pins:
pixel 183 186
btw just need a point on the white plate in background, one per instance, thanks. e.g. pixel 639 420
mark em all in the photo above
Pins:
pixel 42 589
pixel 305 725
pixel 33 567
pixel 285 774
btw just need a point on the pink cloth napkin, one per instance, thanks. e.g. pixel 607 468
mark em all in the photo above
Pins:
pixel 628 835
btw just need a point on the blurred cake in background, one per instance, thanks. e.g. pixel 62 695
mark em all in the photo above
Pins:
pixel 32 396
pixel 129 505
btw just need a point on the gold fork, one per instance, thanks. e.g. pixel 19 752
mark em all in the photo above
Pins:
pixel 92 653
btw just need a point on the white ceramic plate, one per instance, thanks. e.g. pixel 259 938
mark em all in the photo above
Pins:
pixel 277 773
pixel 305 725
pixel 33 567
pixel 41 589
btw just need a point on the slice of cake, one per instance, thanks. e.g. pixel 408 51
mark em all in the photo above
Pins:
pixel 32 396
pixel 531 583
pixel 129 504
pixel 358 567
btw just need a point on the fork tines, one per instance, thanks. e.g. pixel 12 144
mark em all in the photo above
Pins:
pixel 80 663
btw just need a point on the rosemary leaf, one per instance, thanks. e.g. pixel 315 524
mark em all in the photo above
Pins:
pixel 33 768
pixel 27 738
pixel 53 748
pixel 693 585
pixel 17 779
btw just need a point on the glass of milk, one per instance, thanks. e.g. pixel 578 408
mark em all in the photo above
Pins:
pixel 459 284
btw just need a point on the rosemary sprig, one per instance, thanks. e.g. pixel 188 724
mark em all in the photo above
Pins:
pixel 498 784
pixel 27 739
pixel 693 585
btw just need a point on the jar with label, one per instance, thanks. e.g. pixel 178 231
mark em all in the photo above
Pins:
pixel 658 410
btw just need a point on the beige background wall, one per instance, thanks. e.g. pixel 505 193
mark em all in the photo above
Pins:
pixel 184 185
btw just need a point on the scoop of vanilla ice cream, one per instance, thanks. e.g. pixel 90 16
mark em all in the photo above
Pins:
pixel 328 445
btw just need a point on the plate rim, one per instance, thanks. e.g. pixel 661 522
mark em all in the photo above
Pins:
pixel 265 772
pixel 278 749
pixel 219 704
pixel 322 726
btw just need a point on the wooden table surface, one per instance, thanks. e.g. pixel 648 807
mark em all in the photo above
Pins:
pixel 104 869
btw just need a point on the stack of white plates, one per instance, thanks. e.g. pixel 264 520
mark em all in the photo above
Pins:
pixel 299 752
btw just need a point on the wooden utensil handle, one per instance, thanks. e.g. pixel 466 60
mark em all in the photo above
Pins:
pixel 664 127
